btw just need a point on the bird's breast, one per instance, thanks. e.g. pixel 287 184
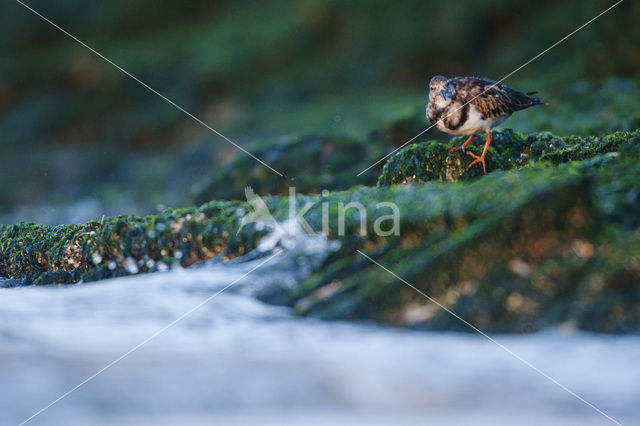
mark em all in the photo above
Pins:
pixel 469 123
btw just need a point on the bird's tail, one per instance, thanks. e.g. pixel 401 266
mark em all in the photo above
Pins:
pixel 538 101
pixel 535 101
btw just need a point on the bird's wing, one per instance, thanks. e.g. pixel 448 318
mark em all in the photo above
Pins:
pixel 490 98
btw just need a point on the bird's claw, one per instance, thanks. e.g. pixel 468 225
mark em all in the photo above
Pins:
pixel 477 159
pixel 471 154
pixel 454 149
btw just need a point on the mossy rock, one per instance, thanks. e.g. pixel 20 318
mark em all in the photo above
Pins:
pixel 512 251
pixel 126 244
pixel 431 160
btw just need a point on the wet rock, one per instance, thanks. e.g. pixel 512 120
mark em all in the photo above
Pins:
pixel 510 252
pixel 431 160
pixel 123 245
pixel 554 242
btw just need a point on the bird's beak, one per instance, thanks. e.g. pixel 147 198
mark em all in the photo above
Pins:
pixel 445 95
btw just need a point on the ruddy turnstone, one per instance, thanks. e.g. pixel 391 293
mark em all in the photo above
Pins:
pixel 472 105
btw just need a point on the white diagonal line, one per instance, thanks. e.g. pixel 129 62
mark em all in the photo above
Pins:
pixel 149 87
pixel 497 82
pixel 509 351
pixel 145 341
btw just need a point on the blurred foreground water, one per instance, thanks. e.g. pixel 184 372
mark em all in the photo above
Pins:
pixel 237 360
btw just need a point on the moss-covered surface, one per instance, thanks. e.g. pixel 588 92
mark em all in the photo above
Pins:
pixel 123 245
pixel 431 160
pixel 514 251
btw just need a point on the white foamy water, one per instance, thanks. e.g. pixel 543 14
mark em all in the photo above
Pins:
pixel 236 360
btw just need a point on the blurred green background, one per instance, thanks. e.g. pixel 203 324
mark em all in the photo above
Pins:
pixel 79 139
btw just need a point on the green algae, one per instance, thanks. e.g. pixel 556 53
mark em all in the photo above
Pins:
pixel 126 244
pixel 431 160
pixel 549 241
pixel 448 241
pixel 552 245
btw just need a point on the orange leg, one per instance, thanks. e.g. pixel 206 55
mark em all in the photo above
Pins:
pixel 463 146
pixel 480 159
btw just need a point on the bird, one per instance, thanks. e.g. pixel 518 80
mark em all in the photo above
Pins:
pixel 472 105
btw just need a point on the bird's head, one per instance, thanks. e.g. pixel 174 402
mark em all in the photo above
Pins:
pixel 439 91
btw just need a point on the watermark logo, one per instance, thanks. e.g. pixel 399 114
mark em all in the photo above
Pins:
pixel 259 213
pixel 382 220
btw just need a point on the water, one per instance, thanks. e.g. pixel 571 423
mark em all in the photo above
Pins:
pixel 236 360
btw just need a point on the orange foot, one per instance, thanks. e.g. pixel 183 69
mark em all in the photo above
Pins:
pixel 463 147
pixel 477 159
pixel 480 158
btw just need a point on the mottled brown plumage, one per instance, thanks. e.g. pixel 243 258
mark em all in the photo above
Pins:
pixel 490 98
